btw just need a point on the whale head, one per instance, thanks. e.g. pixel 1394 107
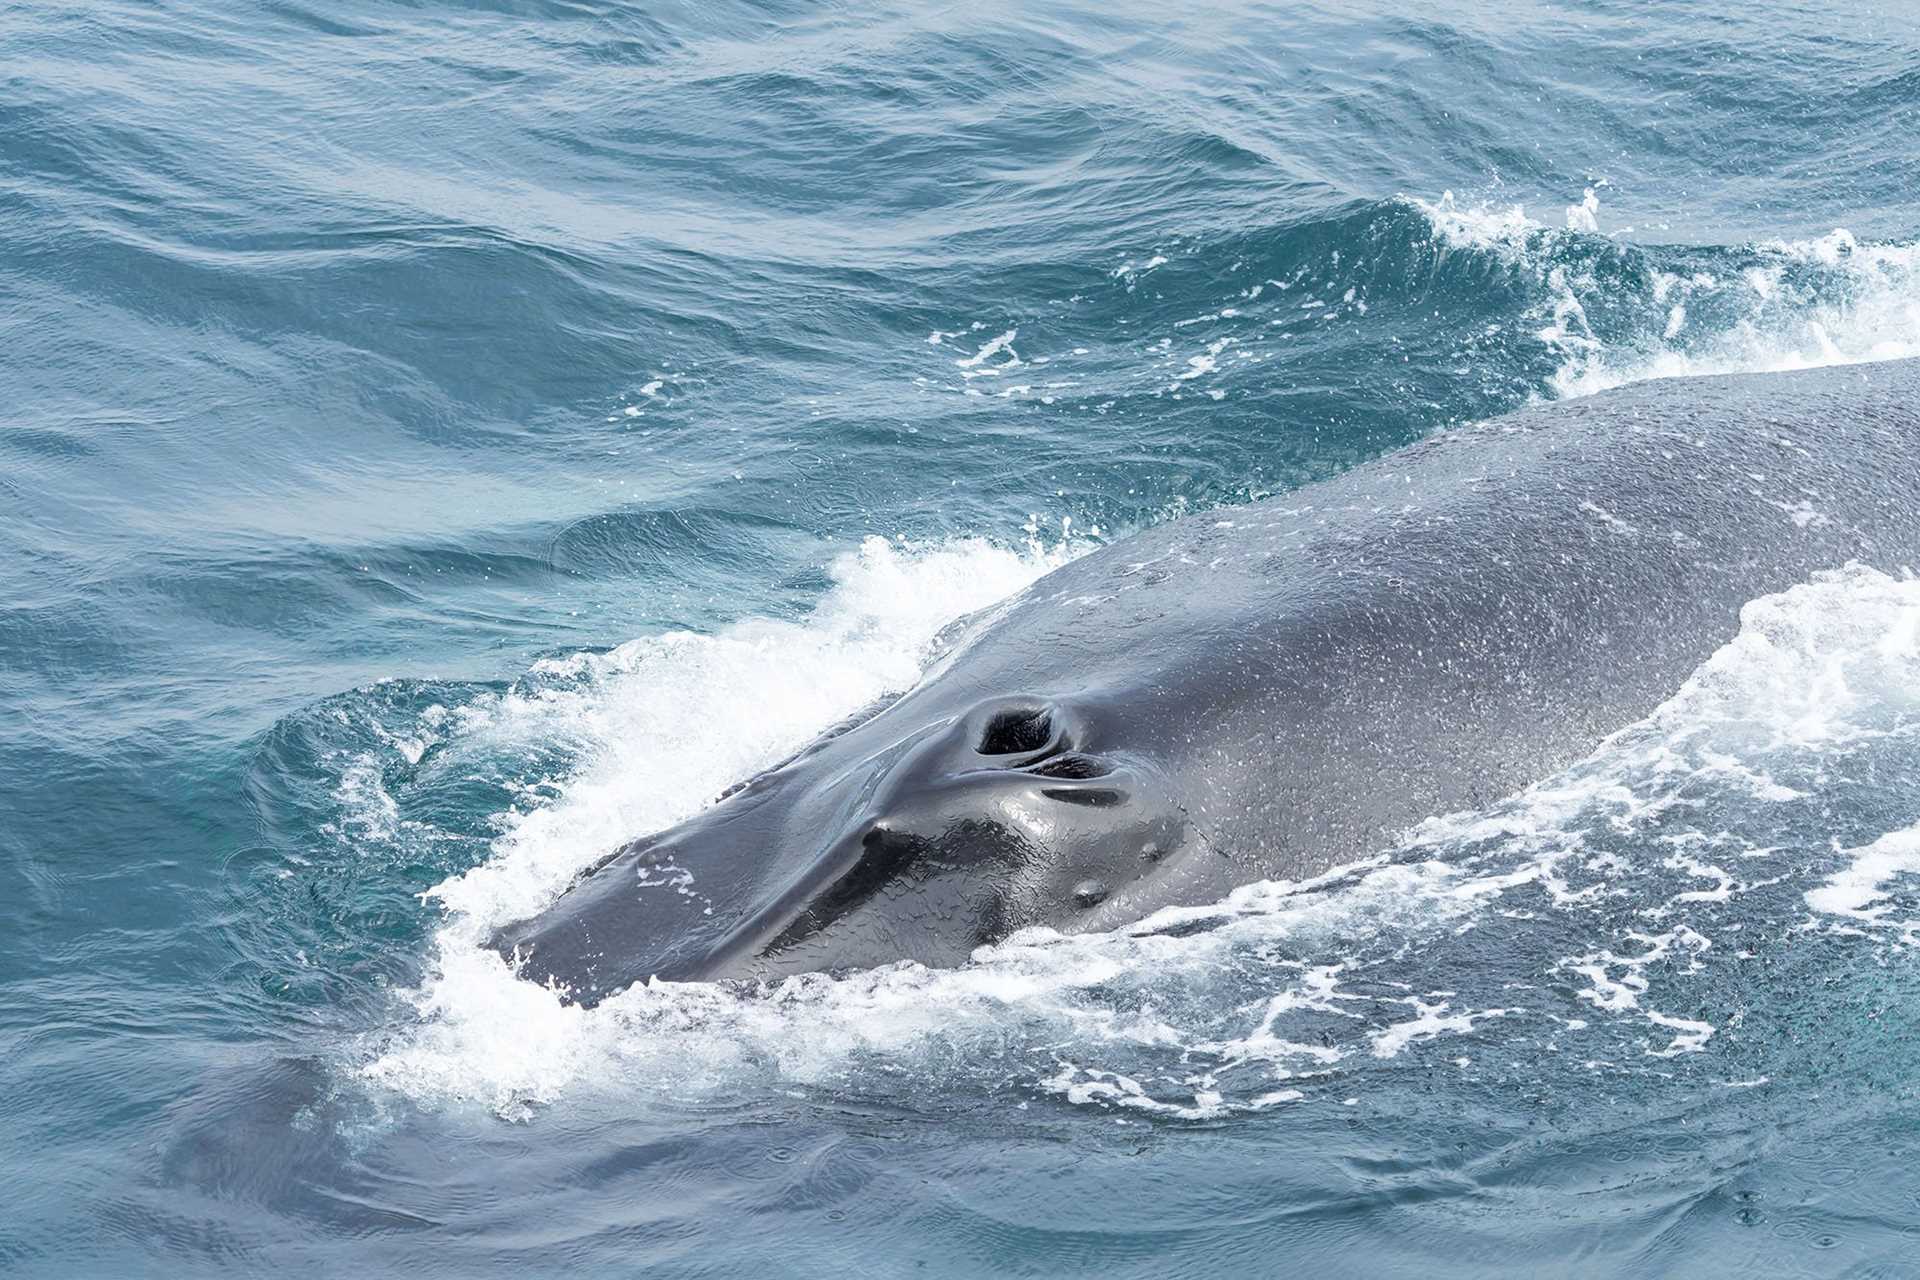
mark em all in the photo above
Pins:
pixel 909 837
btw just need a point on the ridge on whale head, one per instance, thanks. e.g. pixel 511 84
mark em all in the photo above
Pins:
pixel 1270 690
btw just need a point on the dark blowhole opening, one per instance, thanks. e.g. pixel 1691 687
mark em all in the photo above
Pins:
pixel 1014 732
pixel 1093 797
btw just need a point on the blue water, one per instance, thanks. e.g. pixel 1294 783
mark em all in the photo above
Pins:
pixel 438 443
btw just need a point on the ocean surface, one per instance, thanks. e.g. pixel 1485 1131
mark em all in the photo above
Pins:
pixel 439 443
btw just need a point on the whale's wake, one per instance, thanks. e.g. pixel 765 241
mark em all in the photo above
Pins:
pixel 1614 920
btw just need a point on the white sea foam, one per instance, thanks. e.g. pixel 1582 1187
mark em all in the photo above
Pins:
pixel 976 366
pixel 1859 889
pixel 1427 1022
pixel 1505 229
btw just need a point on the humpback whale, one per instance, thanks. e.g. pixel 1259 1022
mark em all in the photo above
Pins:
pixel 1269 690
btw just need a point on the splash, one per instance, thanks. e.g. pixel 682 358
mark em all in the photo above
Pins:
pixel 1760 308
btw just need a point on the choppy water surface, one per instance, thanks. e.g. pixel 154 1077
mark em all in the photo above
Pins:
pixel 442 443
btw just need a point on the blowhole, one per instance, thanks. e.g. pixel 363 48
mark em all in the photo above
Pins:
pixel 1014 732
pixel 1072 766
pixel 1093 797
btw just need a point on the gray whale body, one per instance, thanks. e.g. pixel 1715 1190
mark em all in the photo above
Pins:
pixel 1269 690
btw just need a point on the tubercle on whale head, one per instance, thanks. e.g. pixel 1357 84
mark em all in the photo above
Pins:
pixel 1020 811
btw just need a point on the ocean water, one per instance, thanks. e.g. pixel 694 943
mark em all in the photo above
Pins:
pixel 438 443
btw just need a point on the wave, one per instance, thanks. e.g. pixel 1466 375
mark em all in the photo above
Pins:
pixel 1269 357
pixel 1677 312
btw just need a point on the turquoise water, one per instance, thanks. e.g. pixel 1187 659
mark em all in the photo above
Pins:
pixel 440 443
